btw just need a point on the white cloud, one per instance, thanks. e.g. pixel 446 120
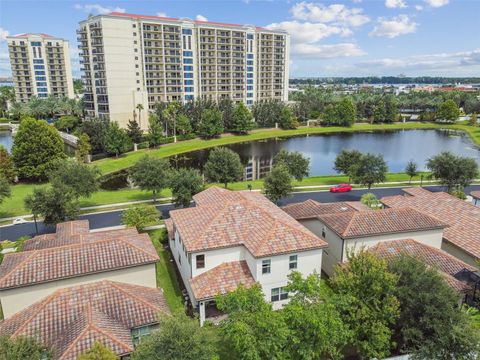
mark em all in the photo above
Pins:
pixel 393 27
pixel 418 7
pixel 98 9
pixel 393 4
pixel 326 51
pixel 447 61
pixel 337 14
pixel 201 18
pixel 306 32
pixel 437 3
pixel 162 14
pixel 3 34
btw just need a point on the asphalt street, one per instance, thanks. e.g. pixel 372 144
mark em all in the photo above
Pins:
pixel 113 218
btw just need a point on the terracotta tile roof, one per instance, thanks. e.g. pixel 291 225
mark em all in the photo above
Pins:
pixel 437 258
pixel 221 280
pixel 224 218
pixel 75 253
pixel 310 209
pixel 70 320
pixel 475 194
pixel 462 218
pixel 351 224
pixel 169 227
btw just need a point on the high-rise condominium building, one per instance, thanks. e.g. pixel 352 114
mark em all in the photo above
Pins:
pixel 131 60
pixel 40 66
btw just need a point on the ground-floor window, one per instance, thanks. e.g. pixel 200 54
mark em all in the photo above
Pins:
pixel 278 294
pixel 141 332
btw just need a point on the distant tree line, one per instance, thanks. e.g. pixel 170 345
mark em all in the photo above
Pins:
pixel 385 80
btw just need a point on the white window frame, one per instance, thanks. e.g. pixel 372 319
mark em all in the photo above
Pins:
pixel 266 266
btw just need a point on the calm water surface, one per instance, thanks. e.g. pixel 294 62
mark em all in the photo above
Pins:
pixel 6 139
pixel 397 147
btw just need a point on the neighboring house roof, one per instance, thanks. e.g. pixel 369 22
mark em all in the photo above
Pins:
pixel 475 194
pixel 73 251
pixel 169 226
pixel 437 258
pixel 310 209
pixel 351 224
pixel 222 279
pixel 70 320
pixel 462 218
pixel 224 218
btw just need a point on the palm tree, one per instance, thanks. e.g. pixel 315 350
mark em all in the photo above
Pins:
pixel 139 108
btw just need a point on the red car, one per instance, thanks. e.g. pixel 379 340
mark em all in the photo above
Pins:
pixel 341 188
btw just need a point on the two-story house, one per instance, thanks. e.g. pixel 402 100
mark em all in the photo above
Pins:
pixel 232 238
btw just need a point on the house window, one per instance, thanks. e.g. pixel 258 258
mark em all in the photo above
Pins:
pixel 139 333
pixel 266 266
pixel 292 262
pixel 200 261
pixel 279 294
pixel 324 235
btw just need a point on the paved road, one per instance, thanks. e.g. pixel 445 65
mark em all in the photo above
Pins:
pixel 113 218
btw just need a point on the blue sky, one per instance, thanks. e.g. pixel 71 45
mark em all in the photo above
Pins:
pixel 328 38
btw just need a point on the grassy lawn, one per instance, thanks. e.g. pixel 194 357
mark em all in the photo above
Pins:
pixel 166 276
pixel 13 206
pixel 127 160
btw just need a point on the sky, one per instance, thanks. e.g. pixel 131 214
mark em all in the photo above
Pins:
pixel 328 38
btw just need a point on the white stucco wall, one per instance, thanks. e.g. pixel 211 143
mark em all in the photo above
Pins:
pixel 16 299
pixel 460 254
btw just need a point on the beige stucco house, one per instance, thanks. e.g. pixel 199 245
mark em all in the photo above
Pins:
pixel 74 256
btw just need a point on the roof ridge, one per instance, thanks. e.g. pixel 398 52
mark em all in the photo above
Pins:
pixel 123 240
pixel 77 338
pixel 349 225
pixel 116 286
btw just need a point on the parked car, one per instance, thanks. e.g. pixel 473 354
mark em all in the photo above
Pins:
pixel 18 221
pixel 341 188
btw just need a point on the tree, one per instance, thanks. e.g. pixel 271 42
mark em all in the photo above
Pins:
pixel 155 135
pixel 278 183
pixel 98 352
pixel 364 295
pixel 448 111
pixel 411 170
pixel 453 171
pixel 346 112
pixel 473 119
pixel 344 161
pixel 4 189
pixel 7 96
pixel 6 165
pixel 66 123
pixel 139 107
pixel 183 124
pixel 252 331
pixel 227 108
pixel 96 129
pixel 151 174
pixel 210 123
pixel 23 348
pixel 391 108
pixel 242 121
pixel 370 200
pixel 116 140
pixel 223 166
pixel 380 111
pixel 287 119
pixel 178 337
pixel 267 112
pixel 78 87
pixel 140 216
pixel 184 184
pixel 54 204
pixel 36 146
pixel 134 131
pixel 83 147
pixel 171 113
pixel 370 169
pixel 316 328
pixel 296 163
pixel 79 179
pixel 431 324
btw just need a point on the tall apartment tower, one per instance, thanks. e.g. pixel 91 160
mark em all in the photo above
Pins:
pixel 40 66
pixel 134 59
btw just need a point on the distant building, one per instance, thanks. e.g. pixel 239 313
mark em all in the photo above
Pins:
pixel 74 256
pixel 131 59
pixel 40 66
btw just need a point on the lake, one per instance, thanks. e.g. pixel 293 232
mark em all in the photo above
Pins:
pixel 397 147
pixel 6 139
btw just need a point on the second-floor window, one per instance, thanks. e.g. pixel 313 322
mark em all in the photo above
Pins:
pixel 200 261
pixel 292 262
pixel 266 266
pixel 278 294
